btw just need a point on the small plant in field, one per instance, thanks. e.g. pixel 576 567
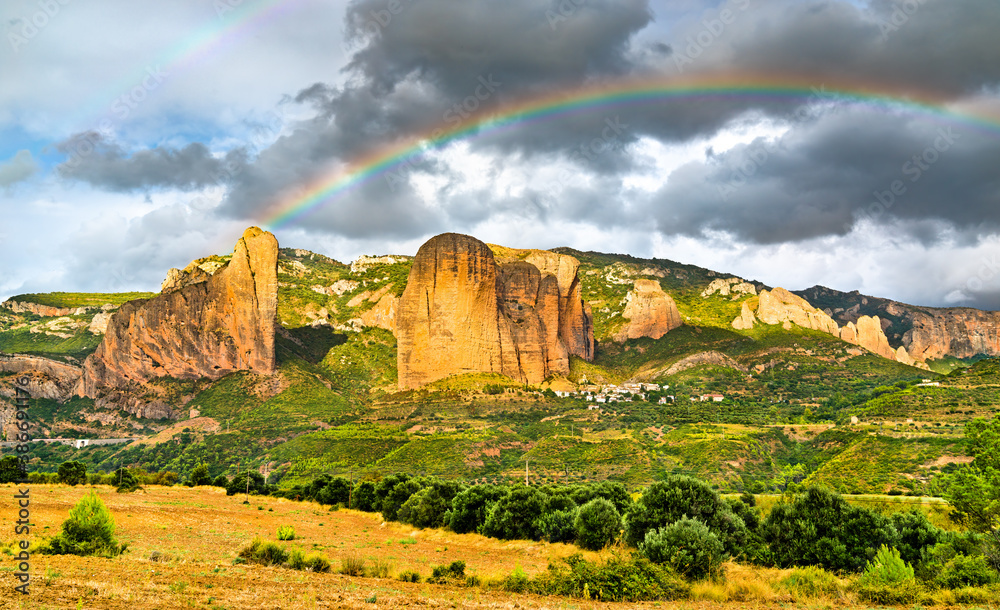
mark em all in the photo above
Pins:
pixel 409 576
pixel 352 564
pixel 380 568
pixel 178 587
pixel 317 562
pixel 286 532
pixel 264 553
pixel 296 559
pixel 89 530
pixel 888 579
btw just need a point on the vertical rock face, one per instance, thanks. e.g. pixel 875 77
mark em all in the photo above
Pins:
pixel 650 312
pixel 462 313
pixel 576 328
pixel 959 332
pixel 869 335
pixel 779 306
pixel 209 328
pixel 383 315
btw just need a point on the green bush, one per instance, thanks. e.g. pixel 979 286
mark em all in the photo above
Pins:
pixel 687 546
pixel 470 507
pixel 286 532
pixel 514 516
pixel 965 571
pixel 296 559
pixel 665 502
pixel 221 481
pixel 597 524
pixel 444 574
pixel 89 530
pixel 363 496
pixel 409 576
pixel 619 579
pixel 558 525
pixel 72 473
pixel 10 469
pixel 254 481
pixel 317 562
pixel 888 568
pixel 264 553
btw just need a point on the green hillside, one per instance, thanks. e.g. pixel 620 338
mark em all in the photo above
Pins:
pixel 785 419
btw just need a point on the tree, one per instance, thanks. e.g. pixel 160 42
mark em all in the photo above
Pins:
pixel 125 481
pixel 396 496
pixel 220 481
pixel 597 524
pixel 687 546
pixel 470 507
pixel 974 490
pixel 514 516
pixel 821 528
pixel 72 473
pixel 10 469
pixel 200 476
pixel 89 530
pixel 363 497
pixel 665 502
pixel 238 484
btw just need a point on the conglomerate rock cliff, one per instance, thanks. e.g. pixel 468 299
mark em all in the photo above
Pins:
pixel 650 312
pixel 203 327
pixel 461 312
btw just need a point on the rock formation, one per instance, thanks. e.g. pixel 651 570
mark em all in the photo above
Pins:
pixel 732 285
pixel 463 313
pixel 45 311
pixel 204 326
pixel 780 306
pixel 711 357
pixel 650 312
pixel 961 332
pixel 383 315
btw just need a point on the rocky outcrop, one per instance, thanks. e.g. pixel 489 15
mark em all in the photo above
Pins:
pixel 195 273
pixel 383 315
pixel 746 318
pixel 196 329
pixel 45 311
pixel 733 285
pixel 47 378
pixel 868 333
pixel 710 358
pixel 650 312
pixel 780 306
pixel 463 313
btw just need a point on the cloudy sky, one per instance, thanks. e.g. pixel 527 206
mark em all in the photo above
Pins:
pixel 136 136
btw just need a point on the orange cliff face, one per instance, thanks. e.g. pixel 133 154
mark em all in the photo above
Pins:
pixel 650 312
pixel 461 312
pixel 207 327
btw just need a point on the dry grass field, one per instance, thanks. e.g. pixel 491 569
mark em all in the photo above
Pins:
pixel 182 543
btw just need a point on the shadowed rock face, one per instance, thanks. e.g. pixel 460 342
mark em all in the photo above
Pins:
pixel 462 313
pixel 221 323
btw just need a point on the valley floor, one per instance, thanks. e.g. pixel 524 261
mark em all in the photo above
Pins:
pixel 182 543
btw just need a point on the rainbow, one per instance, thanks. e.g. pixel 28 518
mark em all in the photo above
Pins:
pixel 296 203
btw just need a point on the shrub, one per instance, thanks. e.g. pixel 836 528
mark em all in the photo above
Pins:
pixel 89 530
pixel 665 502
pixel 444 574
pixel 821 528
pixel 887 568
pixel 514 516
pixel 10 469
pixel 363 497
pixel 317 562
pixel 125 481
pixel 396 496
pixel 597 524
pixel 221 481
pixel 329 490
pixel 352 564
pixel 296 559
pixel 72 473
pixel 429 506
pixel 264 553
pixel 965 571
pixel 914 533
pixel 409 576
pixel 558 526
pixel 618 579
pixel 470 507
pixel 688 546
pixel 811 581
pixel 286 532
pixel 200 476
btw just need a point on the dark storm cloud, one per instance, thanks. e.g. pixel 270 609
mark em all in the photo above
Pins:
pixel 938 46
pixel 823 177
pixel 106 164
